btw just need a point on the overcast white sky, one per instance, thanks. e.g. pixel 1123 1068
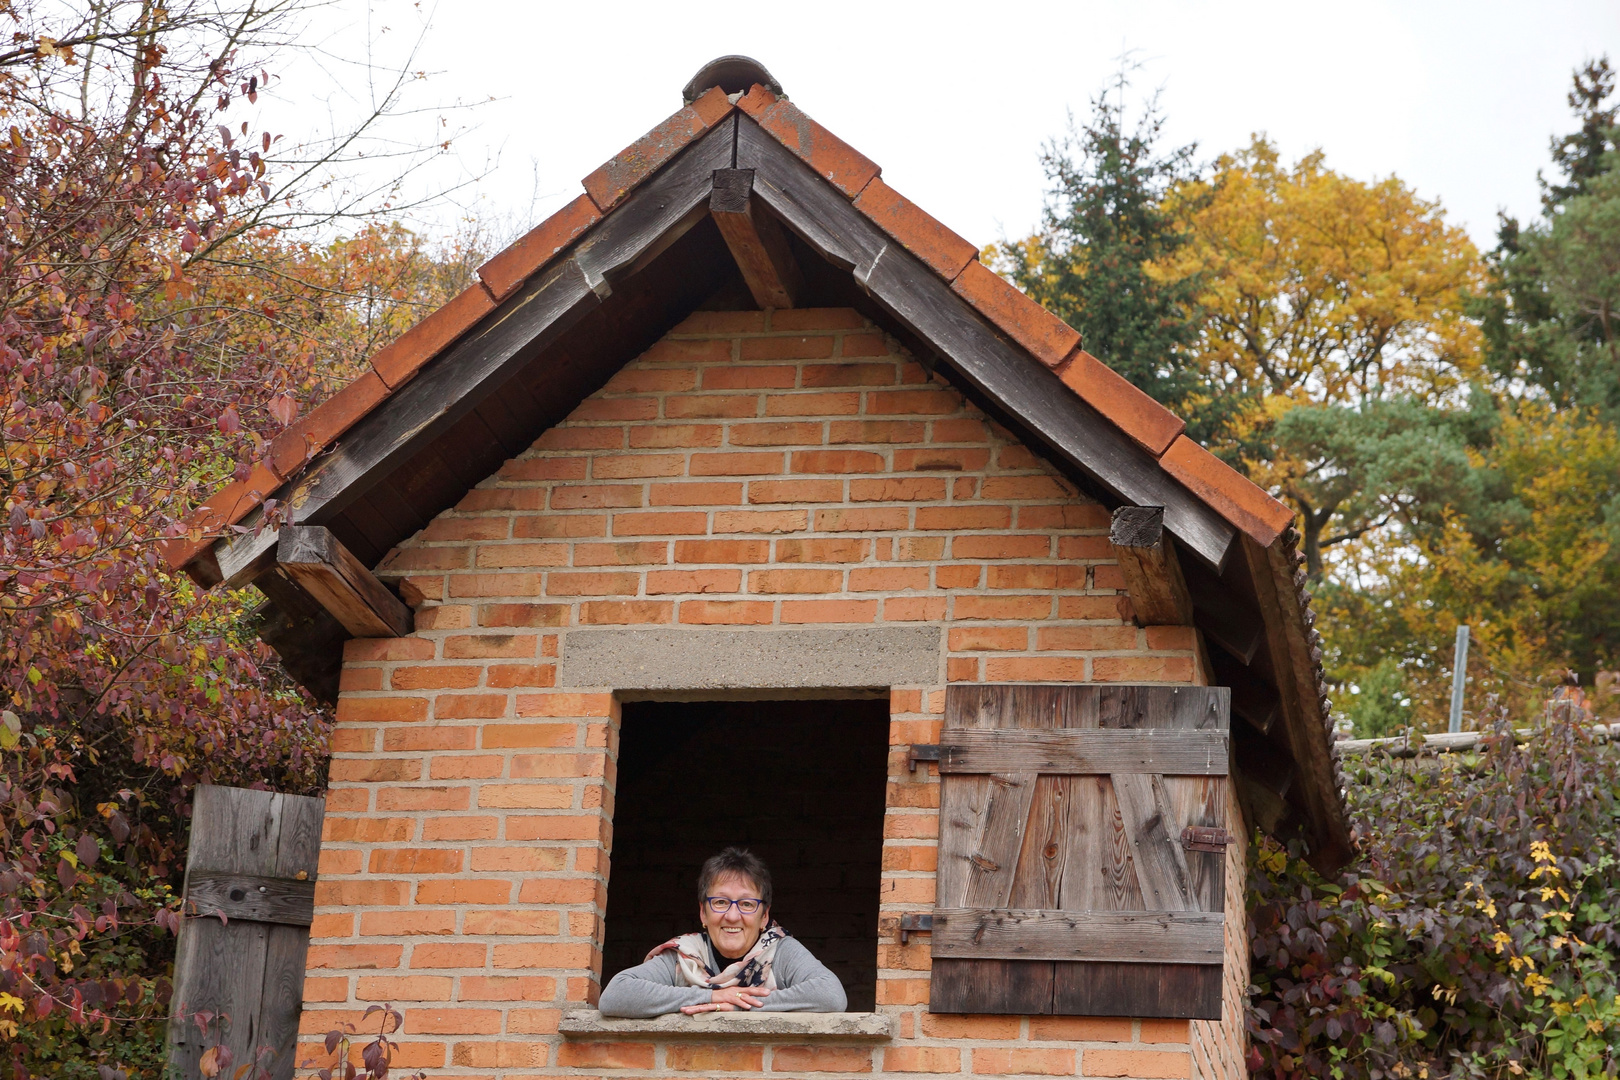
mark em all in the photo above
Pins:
pixel 954 99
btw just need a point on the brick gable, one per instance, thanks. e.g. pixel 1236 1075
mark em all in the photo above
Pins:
pixel 751 471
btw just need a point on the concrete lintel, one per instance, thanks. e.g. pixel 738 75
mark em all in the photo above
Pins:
pixel 711 659
pixel 863 1027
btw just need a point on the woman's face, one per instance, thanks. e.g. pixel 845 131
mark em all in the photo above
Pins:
pixel 734 933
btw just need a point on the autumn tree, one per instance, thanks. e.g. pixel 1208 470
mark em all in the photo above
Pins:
pixel 169 299
pixel 1325 291
pixel 1531 563
pixel 1529 552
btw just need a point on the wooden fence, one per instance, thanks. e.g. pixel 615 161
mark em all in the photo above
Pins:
pixel 250 895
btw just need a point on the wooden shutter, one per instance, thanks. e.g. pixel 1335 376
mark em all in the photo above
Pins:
pixel 1064 883
pixel 250 895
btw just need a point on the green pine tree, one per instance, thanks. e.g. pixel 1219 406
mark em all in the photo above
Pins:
pixel 1537 329
pixel 1106 218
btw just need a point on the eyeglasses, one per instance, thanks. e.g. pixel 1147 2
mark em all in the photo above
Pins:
pixel 720 904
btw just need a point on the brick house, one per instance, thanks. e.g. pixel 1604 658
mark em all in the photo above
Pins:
pixel 738 502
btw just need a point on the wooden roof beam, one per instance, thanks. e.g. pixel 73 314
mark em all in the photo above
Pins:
pixel 911 292
pixel 1152 572
pixel 756 241
pixel 319 563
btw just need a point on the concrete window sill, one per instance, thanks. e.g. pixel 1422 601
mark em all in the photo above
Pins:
pixel 864 1027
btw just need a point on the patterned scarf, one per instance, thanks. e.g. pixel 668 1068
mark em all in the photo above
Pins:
pixel 692 953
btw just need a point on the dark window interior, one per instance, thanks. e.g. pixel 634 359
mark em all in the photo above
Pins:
pixel 800 783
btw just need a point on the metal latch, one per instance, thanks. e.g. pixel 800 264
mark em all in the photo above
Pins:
pixel 1204 838
pixel 922 752
pixel 915 924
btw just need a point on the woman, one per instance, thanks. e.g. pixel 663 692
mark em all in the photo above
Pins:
pixel 741 960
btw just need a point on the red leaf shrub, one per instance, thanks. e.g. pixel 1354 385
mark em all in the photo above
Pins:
pixel 158 324
pixel 1475 935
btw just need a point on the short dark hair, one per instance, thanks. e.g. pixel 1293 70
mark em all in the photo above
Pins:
pixel 735 860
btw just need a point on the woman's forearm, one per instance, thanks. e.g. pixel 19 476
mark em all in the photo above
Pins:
pixel 640 998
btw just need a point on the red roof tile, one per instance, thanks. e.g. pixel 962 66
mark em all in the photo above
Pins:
pixel 1043 334
pixel 228 506
pixel 629 167
pixel 833 159
pixel 505 272
pixel 1228 491
pixel 297 444
pixel 1116 397
pixel 404 358
pixel 944 252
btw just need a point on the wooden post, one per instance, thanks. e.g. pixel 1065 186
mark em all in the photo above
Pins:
pixel 755 239
pixel 1459 676
pixel 251 860
pixel 1152 572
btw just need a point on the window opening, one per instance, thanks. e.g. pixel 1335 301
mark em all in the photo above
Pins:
pixel 801 783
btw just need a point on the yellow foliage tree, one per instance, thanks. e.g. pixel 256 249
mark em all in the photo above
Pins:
pixel 1324 291
pixel 1536 590
pixel 1319 287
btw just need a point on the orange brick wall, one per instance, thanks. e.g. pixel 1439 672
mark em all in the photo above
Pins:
pixel 750 470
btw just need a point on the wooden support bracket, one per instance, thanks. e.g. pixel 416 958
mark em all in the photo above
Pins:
pixel 1165 594
pixel 318 562
pixel 756 241
pixel 243 558
pixel 1152 572
pixel 1227 619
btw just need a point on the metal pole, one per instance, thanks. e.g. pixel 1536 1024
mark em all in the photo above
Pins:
pixel 1459 676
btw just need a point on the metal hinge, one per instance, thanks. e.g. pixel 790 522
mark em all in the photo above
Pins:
pixel 915 924
pixel 1204 838
pixel 922 752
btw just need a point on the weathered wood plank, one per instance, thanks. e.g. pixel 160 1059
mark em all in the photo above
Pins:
pixel 1004 987
pixel 281 999
pixel 1041 862
pixel 1123 885
pixel 1111 705
pixel 1161 864
pixel 298 851
pixel 655 215
pixel 1182 937
pixel 243 557
pixel 330 573
pixel 1205 708
pixel 755 240
pixel 1152 572
pixel 1200 801
pixel 1296 674
pixel 1102 988
pixel 993 860
pixel 963 801
pixel 1086 752
pixel 993 365
pixel 250 971
pixel 250 896
pixel 443 393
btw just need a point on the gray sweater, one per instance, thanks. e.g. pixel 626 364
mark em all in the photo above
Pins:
pixel 803 984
